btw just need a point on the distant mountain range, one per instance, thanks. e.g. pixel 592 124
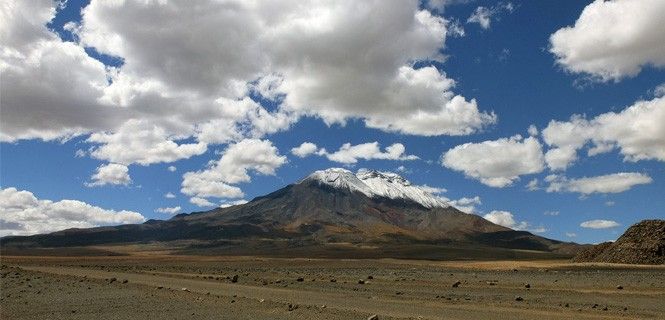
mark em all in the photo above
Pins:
pixel 332 210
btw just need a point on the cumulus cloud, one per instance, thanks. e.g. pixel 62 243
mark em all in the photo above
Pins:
pixel 304 150
pixel 533 185
pixel 599 224
pixel 506 219
pixel 201 202
pixel 138 141
pixel 172 168
pixel 496 163
pixel 169 195
pixel 190 80
pixel 168 210
pixel 610 183
pixel 24 214
pixel 466 205
pixel 233 167
pixel 613 39
pixel 112 173
pixel 637 132
pixel 483 15
pixel 350 154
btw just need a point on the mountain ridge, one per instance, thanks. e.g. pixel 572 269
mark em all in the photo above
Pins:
pixel 328 207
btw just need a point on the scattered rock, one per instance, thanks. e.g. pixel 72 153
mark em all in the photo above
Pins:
pixel 292 307
pixel 301 279
pixel 518 298
pixel 234 279
pixel 125 281
pixel 361 281
pixel 619 287
pixel 373 317
pixel 456 284
pixel 528 286
pixel 370 277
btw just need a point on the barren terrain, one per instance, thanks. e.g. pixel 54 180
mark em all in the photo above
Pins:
pixel 157 286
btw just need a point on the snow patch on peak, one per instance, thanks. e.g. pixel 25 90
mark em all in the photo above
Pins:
pixel 374 183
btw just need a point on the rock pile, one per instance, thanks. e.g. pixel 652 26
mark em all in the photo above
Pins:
pixel 642 243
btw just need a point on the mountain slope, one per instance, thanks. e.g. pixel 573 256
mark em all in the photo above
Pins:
pixel 642 243
pixel 328 207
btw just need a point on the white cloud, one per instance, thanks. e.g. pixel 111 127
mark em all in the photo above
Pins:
pixel 659 91
pixel 172 168
pixel 551 213
pixel 533 130
pixel 560 158
pixel 610 183
pixel 49 87
pixel 483 15
pixel 169 195
pixel 533 185
pixel 433 190
pixel 613 39
pixel 637 131
pixel 169 210
pixel 571 234
pixel 139 141
pixel 304 150
pixel 233 167
pixel 599 224
pixel 506 219
pixel 496 163
pixel 350 154
pixel 201 202
pixel 466 205
pixel 190 80
pixel 112 173
pixel 403 169
pixel 23 214
pixel 232 203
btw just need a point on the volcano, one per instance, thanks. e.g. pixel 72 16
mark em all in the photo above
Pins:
pixel 332 210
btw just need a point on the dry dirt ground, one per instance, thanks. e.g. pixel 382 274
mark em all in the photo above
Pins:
pixel 196 287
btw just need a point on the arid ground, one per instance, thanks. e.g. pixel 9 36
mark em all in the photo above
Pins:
pixel 158 286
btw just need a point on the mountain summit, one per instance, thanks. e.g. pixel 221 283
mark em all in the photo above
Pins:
pixel 377 184
pixel 327 209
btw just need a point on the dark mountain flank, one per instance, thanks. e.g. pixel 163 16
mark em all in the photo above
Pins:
pixel 329 211
pixel 642 243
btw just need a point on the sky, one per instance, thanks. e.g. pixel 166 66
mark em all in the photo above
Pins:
pixel 546 116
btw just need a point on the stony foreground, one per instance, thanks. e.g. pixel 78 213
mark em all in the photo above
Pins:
pixel 168 287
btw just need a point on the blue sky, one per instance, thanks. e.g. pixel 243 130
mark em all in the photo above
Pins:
pixel 116 93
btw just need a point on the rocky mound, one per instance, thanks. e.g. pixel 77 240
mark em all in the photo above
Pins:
pixel 642 243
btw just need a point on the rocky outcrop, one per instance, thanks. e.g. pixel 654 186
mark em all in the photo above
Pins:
pixel 642 243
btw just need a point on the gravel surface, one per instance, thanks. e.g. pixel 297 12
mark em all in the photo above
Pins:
pixel 167 287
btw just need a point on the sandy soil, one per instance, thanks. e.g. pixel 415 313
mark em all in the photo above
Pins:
pixel 175 287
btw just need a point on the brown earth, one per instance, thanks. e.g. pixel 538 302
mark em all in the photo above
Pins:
pixel 157 286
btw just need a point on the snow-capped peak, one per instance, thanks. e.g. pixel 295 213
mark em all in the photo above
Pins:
pixel 374 183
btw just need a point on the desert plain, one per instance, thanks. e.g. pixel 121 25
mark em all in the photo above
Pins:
pixel 161 285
